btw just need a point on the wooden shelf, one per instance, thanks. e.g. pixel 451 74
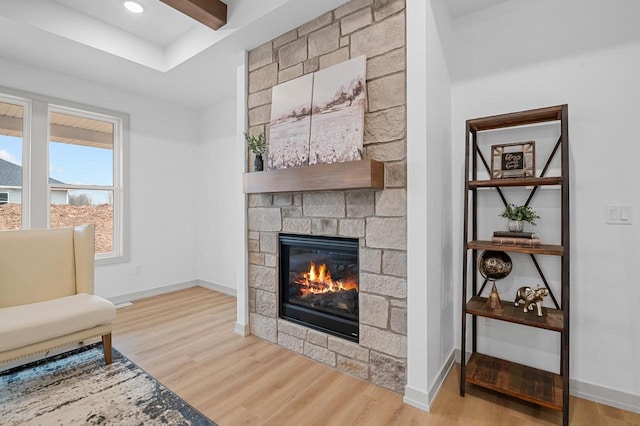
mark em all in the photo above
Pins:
pixel 527 383
pixel 522 118
pixel 551 319
pixel 517 380
pixel 362 174
pixel 492 183
pixel 550 249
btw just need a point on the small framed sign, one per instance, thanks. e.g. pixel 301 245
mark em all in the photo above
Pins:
pixel 513 160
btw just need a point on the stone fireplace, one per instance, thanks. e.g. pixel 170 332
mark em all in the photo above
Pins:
pixel 374 219
pixel 380 353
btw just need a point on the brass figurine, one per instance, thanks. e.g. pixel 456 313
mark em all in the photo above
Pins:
pixel 531 297
pixel 493 302
pixel 494 265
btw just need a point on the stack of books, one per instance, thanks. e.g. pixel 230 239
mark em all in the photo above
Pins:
pixel 527 239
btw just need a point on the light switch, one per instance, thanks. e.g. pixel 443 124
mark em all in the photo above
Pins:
pixel 624 215
pixel 619 214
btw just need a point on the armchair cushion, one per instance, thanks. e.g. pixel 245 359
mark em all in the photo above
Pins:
pixel 36 322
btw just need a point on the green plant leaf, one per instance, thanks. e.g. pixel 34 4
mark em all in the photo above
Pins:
pixel 523 213
pixel 257 144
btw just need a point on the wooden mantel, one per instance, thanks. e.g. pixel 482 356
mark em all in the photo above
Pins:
pixel 362 174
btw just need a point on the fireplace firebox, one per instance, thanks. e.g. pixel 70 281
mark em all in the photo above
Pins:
pixel 319 283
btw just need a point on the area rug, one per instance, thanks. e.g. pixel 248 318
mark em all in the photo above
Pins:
pixel 77 388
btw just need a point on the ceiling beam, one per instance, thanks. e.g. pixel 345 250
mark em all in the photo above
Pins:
pixel 212 13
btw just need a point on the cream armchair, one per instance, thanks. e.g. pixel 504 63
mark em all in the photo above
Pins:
pixel 46 292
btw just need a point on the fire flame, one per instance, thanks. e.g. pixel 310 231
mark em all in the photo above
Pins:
pixel 318 281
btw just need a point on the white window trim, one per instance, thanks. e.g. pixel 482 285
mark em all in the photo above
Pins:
pixel 115 187
pixel 121 231
pixel 18 98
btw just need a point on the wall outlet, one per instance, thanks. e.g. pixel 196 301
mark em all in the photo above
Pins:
pixel 138 269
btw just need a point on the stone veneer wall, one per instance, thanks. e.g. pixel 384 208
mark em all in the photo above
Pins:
pixel 375 28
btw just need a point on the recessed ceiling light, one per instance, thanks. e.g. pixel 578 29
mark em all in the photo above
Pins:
pixel 133 7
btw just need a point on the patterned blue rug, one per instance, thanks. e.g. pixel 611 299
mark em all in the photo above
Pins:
pixel 76 388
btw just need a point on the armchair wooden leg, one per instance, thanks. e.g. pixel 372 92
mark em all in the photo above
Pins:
pixel 106 347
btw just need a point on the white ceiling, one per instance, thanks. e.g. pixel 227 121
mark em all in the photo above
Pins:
pixel 160 53
pixel 159 24
pixel 458 8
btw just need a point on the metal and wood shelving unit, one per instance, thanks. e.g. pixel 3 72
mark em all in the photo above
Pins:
pixel 530 384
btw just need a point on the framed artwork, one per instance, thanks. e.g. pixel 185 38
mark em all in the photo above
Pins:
pixel 513 160
pixel 290 124
pixel 337 122
pixel 319 118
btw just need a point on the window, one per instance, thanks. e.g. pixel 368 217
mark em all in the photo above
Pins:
pixel 81 172
pixel 11 141
pixel 74 173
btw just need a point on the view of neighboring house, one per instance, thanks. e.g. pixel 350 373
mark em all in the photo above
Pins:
pixel 11 185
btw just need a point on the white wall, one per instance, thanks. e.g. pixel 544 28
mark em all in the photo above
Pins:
pixel 439 221
pixel 218 218
pixel 517 33
pixel 163 150
pixel 417 388
pixel 429 297
pixel 600 86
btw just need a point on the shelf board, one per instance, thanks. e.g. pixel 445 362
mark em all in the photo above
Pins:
pixel 551 319
pixel 361 174
pixel 491 183
pixel 520 381
pixel 550 249
pixel 521 118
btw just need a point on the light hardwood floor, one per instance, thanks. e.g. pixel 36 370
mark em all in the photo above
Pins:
pixel 186 341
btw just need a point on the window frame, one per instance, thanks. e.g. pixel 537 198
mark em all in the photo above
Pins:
pixel 35 154
pixel 4 201
pixel 17 98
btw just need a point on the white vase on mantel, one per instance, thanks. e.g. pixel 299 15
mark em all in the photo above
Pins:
pixel 516 225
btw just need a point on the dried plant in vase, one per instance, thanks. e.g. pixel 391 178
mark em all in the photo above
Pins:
pixel 257 145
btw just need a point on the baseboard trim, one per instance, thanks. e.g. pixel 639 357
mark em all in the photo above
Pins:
pixel 217 287
pixel 241 329
pixel 130 297
pixel 442 376
pixel 600 394
pixel 605 396
pixel 416 398
pixel 424 400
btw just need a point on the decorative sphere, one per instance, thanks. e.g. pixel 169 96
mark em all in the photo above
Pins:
pixel 494 265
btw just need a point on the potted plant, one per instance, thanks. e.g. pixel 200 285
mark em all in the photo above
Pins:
pixel 517 215
pixel 257 145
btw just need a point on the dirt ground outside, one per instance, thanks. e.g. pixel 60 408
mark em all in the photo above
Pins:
pixel 65 215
